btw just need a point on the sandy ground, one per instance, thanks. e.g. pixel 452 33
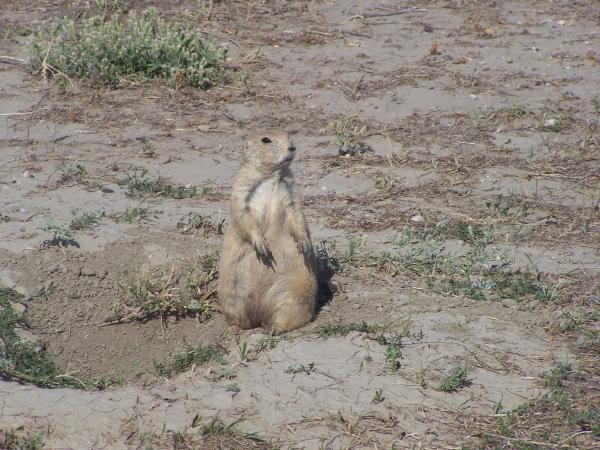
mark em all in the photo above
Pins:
pixel 480 114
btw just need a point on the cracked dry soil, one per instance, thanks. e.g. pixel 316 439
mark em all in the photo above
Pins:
pixel 452 97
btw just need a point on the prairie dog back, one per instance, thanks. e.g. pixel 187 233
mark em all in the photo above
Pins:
pixel 268 268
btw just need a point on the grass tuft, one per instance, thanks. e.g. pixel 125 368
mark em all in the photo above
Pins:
pixel 138 184
pixel 191 356
pixel 86 220
pixel 118 48
pixel 329 330
pixel 189 289
pixel 194 221
pixel 348 129
pixel 20 439
pixel 456 380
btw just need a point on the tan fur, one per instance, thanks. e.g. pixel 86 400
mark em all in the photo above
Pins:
pixel 268 268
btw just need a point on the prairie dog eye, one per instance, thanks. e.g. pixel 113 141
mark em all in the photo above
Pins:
pixel 265 140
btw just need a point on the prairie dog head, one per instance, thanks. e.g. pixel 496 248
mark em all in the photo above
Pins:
pixel 271 150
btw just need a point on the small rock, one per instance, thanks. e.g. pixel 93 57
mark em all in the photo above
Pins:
pixel 26 335
pixel 551 124
pixel 18 307
pixel 417 218
pixel 107 190
pixel 53 268
pixel 463 191
pixel 509 303
pixel 102 273
pixel 87 272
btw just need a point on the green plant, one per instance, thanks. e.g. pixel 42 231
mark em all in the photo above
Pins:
pixel 456 380
pixel 301 368
pixel 233 387
pixel 117 48
pixel 85 220
pixel 20 439
pixel 354 244
pixel 147 147
pixel 512 206
pixel 61 236
pixel 555 377
pixel 226 373
pixel 212 433
pixel 130 215
pixel 191 356
pixel 177 290
pixel 137 184
pixel 517 111
pixel 498 407
pixel 329 264
pixel 348 128
pixel 243 351
pixel 378 398
pixel 392 354
pixel 505 425
pixel 70 173
pixel 329 330
pixel 195 221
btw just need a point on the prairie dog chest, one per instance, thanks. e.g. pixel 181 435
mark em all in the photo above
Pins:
pixel 270 198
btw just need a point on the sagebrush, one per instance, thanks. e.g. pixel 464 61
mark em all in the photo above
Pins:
pixel 119 48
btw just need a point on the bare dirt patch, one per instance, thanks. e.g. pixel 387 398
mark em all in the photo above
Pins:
pixel 448 156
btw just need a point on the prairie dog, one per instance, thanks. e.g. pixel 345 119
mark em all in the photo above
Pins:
pixel 268 266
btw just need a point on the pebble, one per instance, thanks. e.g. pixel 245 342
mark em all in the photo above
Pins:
pixel 87 272
pixel 509 303
pixel 19 308
pixel 26 335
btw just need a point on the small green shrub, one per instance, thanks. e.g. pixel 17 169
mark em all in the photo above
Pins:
pixel 456 380
pixel 112 49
